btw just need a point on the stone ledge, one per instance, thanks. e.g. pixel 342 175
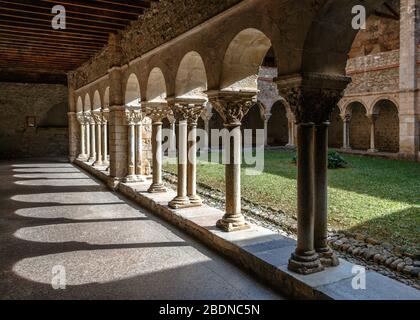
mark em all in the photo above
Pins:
pixel 261 252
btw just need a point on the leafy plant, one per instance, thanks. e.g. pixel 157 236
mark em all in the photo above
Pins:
pixel 335 160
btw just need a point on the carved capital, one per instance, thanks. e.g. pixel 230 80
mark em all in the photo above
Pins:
pixel 312 97
pixel 105 116
pixel 156 111
pixel 187 111
pixel 232 106
pixel 81 118
pixel 97 118
pixel 133 117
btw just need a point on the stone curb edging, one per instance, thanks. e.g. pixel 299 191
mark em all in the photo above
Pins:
pixel 260 251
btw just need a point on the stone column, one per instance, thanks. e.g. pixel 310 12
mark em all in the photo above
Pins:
pixel 291 132
pixel 232 107
pixel 139 148
pixel 346 131
pixel 312 98
pixel 105 120
pixel 82 121
pixel 98 120
pixel 372 120
pixel 180 112
pixel 266 119
pixel 75 135
pixel 92 156
pixel 87 136
pixel 172 137
pixel 327 256
pixel 193 115
pixel 131 164
pixel 156 112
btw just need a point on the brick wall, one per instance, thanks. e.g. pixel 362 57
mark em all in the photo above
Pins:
pixel 42 101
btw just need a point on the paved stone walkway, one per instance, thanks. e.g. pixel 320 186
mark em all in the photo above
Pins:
pixel 55 220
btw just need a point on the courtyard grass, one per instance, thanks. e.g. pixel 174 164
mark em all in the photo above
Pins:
pixel 377 197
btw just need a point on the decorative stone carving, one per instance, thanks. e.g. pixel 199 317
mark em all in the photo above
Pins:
pixel 156 111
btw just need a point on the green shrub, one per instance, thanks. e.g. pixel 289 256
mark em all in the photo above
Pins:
pixel 335 160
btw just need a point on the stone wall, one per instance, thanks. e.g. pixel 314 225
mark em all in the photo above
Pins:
pixel 359 128
pixel 335 134
pixel 47 104
pixel 387 128
pixel 164 21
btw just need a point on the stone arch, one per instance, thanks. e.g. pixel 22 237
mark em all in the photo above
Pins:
pixel 106 98
pixel 87 103
pixel 346 108
pixel 132 92
pixel 243 59
pixel 335 134
pixel 96 101
pixel 191 78
pixel 278 125
pixel 359 126
pixel 387 126
pixel 156 86
pixel 329 54
pixel 79 105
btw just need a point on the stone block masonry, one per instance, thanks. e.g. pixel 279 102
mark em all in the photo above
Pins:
pixel 46 104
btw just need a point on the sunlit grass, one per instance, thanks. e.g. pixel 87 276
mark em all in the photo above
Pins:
pixel 377 197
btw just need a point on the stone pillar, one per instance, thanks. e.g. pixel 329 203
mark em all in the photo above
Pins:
pixel 139 148
pixel 409 96
pixel 87 136
pixel 75 135
pixel 327 256
pixel 82 121
pixel 232 107
pixel 105 120
pixel 266 119
pixel 156 112
pixel 117 127
pixel 98 120
pixel 92 123
pixel 131 156
pixel 312 98
pixel 346 131
pixel 172 137
pixel 180 112
pixel 291 132
pixel 372 120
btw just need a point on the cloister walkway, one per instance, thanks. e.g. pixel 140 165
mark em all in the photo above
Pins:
pixel 58 223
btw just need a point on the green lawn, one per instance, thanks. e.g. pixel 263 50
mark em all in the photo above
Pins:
pixel 376 197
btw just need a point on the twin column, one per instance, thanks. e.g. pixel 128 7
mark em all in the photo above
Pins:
pixel 312 98
pixel 134 124
pixel 94 137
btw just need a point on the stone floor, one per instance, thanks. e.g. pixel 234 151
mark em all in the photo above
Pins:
pixel 52 215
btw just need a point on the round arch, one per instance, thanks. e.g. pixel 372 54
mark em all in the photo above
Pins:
pixel 191 78
pixel 96 101
pixel 79 105
pixel 87 104
pixel 387 126
pixel 156 86
pixel 359 126
pixel 132 92
pixel 106 98
pixel 243 60
pixel 278 125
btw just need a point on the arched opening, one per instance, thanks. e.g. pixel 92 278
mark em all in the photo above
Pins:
pixel 278 126
pixel 253 121
pixel 359 127
pixel 335 134
pixel 79 105
pixel 106 98
pixel 387 126
pixel 191 79
pixel 156 86
pixel 96 101
pixel 243 59
pixel 132 92
pixel 87 104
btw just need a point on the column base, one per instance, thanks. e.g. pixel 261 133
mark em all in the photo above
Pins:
pixel 105 163
pixel 98 164
pixel 290 146
pixel 130 178
pixel 328 257
pixel 231 223
pixel 373 151
pixel 195 201
pixel 180 202
pixel 82 157
pixel 92 159
pixel 140 178
pixel 346 149
pixel 305 264
pixel 157 188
